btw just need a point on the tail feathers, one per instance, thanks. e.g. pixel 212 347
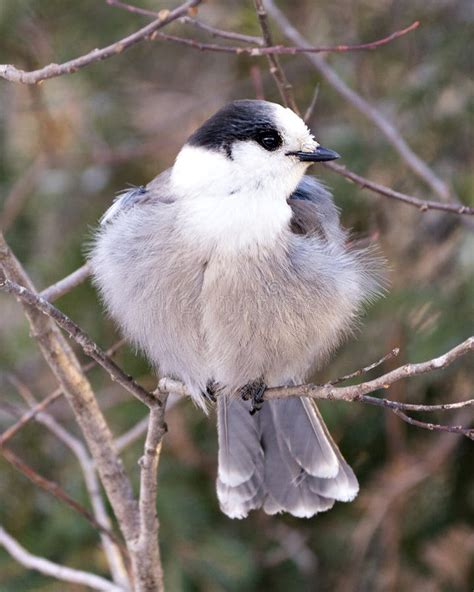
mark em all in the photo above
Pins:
pixel 287 482
pixel 282 459
pixel 298 423
pixel 240 480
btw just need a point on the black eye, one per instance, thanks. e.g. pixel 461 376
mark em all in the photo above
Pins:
pixel 270 140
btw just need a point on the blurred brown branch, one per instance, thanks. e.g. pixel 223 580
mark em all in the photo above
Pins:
pixel 13 74
pixel 275 50
pixel 55 490
pixel 89 416
pixel 49 400
pixel 113 548
pixel 60 572
pixel 66 284
pixel 412 160
pixel 422 204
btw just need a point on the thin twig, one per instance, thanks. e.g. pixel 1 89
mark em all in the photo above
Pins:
pixel 285 88
pixel 188 20
pixel 55 570
pixel 422 204
pixel 13 74
pixel 412 160
pixel 56 491
pixel 111 549
pixel 67 283
pixel 270 50
pixel 89 347
pixel 392 354
pixel 359 392
pixel 310 110
pixel 49 400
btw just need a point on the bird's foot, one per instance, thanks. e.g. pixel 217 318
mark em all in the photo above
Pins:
pixel 254 392
pixel 210 393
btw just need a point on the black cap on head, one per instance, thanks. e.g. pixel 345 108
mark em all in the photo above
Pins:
pixel 238 121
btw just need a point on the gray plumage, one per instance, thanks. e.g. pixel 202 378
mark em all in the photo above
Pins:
pixel 216 302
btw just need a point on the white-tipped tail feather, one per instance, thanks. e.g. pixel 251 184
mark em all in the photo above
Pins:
pixel 283 459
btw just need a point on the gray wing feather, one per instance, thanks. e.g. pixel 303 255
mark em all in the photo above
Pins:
pixel 135 196
pixel 314 211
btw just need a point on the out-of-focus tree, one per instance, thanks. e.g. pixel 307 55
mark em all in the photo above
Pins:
pixel 401 116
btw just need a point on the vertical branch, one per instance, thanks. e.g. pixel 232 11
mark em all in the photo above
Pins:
pixel 65 366
pixel 285 88
pixel 149 570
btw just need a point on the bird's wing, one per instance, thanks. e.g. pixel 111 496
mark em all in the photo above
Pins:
pixel 313 209
pixel 156 190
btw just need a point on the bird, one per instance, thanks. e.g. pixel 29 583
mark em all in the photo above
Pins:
pixel 232 272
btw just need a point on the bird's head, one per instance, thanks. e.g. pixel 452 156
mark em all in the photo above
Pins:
pixel 249 146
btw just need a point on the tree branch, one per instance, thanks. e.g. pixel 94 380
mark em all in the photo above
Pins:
pixel 285 88
pixel 79 394
pixel 48 568
pixel 89 347
pixel 150 571
pixel 47 401
pixel 412 160
pixel 271 50
pixel 13 74
pixel 359 392
pixel 422 204
pixel 55 490
pixel 75 445
pixel 67 283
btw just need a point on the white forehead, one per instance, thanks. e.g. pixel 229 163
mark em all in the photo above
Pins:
pixel 293 127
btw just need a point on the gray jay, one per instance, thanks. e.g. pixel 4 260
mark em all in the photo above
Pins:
pixel 232 273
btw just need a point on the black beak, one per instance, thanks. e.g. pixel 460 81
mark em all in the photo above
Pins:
pixel 321 154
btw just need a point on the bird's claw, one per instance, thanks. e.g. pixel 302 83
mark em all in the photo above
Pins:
pixel 209 393
pixel 254 392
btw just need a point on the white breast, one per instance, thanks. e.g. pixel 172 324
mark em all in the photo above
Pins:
pixel 225 206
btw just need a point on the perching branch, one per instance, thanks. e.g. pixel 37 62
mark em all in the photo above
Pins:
pixel 49 568
pixel 13 74
pixel 359 392
pixel 147 548
pixel 350 393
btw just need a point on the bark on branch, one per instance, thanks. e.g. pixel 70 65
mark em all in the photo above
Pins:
pixel 13 74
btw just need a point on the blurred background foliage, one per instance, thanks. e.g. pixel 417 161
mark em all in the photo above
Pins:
pixel 68 145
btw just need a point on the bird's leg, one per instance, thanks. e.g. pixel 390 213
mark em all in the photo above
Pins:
pixel 210 393
pixel 254 392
